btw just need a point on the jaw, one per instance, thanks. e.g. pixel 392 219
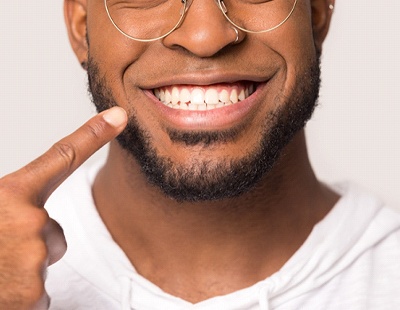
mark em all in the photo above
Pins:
pixel 159 106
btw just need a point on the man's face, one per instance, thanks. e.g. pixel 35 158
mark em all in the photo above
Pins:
pixel 218 153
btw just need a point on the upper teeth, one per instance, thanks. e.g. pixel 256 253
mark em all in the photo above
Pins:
pixel 202 98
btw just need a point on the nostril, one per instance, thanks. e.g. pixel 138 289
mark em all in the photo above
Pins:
pixel 202 40
pixel 204 31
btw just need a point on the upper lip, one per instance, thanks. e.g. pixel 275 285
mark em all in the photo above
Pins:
pixel 205 78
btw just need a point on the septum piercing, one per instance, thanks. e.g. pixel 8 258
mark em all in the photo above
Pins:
pixel 237 35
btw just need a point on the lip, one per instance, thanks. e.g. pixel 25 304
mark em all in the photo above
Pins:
pixel 216 119
pixel 205 77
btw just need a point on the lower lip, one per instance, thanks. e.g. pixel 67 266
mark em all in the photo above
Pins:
pixel 220 118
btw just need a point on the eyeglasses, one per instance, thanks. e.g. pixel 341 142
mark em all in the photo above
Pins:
pixel 151 20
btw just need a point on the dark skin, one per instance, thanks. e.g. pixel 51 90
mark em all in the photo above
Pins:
pixel 208 248
pixel 30 240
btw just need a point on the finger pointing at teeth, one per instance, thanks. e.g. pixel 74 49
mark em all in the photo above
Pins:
pixel 29 239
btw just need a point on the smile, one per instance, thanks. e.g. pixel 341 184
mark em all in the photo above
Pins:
pixel 202 98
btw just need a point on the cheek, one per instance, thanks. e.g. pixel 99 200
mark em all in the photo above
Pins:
pixel 113 55
pixel 117 59
pixel 300 42
pixel 112 52
pixel 294 42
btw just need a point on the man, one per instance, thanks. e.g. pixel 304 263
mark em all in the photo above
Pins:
pixel 207 198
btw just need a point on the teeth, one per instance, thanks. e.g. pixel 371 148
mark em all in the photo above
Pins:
pixel 168 96
pixel 202 107
pixel 162 96
pixel 234 96
pixel 251 88
pixel 175 95
pixel 224 96
pixel 185 95
pixel 192 107
pixel 196 98
pixel 211 96
pixel 241 95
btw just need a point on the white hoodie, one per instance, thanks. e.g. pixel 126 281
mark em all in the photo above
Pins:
pixel 351 260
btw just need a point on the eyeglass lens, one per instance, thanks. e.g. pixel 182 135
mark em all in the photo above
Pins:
pixel 154 19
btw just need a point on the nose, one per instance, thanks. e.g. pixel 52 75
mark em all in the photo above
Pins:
pixel 204 30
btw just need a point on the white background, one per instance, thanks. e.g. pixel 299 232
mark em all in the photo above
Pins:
pixel 354 134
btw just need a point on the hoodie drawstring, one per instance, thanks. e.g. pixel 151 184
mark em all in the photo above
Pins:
pixel 263 298
pixel 126 292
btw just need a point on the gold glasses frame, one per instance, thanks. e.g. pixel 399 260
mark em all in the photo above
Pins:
pixel 185 7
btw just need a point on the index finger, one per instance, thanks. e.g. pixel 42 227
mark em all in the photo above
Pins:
pixel 43 175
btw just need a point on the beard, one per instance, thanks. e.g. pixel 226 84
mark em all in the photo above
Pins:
pixel 213 179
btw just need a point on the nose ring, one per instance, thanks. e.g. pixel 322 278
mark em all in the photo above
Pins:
pixel 237 35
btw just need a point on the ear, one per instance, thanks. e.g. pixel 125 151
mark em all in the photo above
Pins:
pixel 321 18
pixel 75 15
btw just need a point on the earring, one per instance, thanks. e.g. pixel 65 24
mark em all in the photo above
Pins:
pixel 331 6
pixel 84 65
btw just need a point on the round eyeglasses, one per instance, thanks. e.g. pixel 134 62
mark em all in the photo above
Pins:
pixel 151 20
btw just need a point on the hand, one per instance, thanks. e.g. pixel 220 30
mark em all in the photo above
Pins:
pixel 30 241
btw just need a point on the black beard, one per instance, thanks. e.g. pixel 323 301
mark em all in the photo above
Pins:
pixel 211 180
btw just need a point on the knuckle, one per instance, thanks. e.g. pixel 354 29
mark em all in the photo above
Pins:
pixel 66 151
pixel 9 187
pixel 30 220
pixel 36 257
pixel 28 264
pixel 18 222
pixel 22 234
pixel 37 219
pixel 34 293
pixel 95 130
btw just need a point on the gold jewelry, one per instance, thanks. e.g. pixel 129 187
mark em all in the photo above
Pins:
pixel 237 35
pixel 137 21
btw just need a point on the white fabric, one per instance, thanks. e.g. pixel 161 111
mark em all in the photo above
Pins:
pixel 351 260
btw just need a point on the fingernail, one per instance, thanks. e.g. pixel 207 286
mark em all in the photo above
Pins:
pixel 115 116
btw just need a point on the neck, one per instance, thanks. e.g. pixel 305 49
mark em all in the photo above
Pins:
pixel 231 244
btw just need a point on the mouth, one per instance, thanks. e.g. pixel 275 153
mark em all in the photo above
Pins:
pixel 203 98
